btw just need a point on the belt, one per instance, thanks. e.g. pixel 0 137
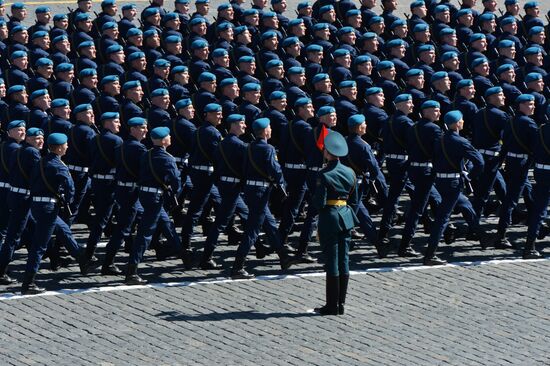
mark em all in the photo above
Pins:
pixel 204 168
pixel 257 183
pixel 425 165
pixel 315 168
pixel 4 185
pixel 20 190
pixel 542 166
pixel 181 160
pixel 447 175
pixel 103 176
pixel 44 199
pixel 229 179
pixel 150 190
pixel 489 152
pixel 337 202
pixel 126 184
pixel 520 156
pixel 295 166
pixel 77 168
pixel 397 156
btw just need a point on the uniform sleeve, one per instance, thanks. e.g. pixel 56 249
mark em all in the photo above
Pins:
pixel 274 167
pixel 475 158
pixel 319 199
pixel 66 183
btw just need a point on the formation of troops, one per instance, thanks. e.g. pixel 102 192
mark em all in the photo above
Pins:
pixel 169 119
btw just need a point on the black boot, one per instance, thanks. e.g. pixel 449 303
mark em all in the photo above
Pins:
pixel 5 279
pixel 302 254
pixel 449 235
pixel 286 260
pixel 382 243
pixel 427 223
pixel 543 231
pixel 28 287
pixel 128 243
pixel 238 272
pixel 500 241
pixel 529 251
pixel 344 279
pixel 186 256
pixel 405 249
pixel 109 268
pixel 261 250
pixel 332 297
pixel 132 278
pixel 234 236
pixel 207 263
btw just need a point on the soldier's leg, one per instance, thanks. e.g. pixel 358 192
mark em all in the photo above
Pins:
pixel 537 214
pixel 343 268
pixel 20 212
pixel 103 200
pixel 514 188
pixel 397 179
pixel 296 189
pixel 485 183
pixel 422 192
pixel 81 185
pixel 202 184
pixel 329 240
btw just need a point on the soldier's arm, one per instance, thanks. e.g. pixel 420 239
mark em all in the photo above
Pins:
pixel 319 199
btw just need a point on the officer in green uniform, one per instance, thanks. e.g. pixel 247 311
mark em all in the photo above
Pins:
pixel 335 192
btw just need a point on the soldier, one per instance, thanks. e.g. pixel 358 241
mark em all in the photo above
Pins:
pixel 128 15
pixel 179 86
pixel 276 114
pixel 86 56
pixel 17 108
pixel 322 94
pixel 62 86
pixel 450 152
pixel 250 95
pixel 344 103
pixel 335 193
pixel 261 172
pixel 229 93
pixel 107 101
pixel 131 103
pixel 157 114
pixel 136 69
pixel 41 102
pixel 86 92
pixel 59 121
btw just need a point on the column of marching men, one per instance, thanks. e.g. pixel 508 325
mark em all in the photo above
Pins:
pixel 166 119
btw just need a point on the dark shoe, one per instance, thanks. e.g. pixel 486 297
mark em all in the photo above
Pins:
pixel 434 261
pixel 128 243
pixel 503 243
pixel 28 287
pixel 332 297
pixel 356 235
pixel 382 247
pixel 7 280
pixel 543 231
pixel 209 264
pixel 132 278
pixel 341 309
pixel 408 253
pixel 287 261
pixel 241 274
pixel 111 270
pixel 519 217
pixel 262 251
pixel 449 235
pixel 326 310
pixel 427 224
pixel 305 258
pixel 532 254
pixel 472 235
pixel 234 237
pixel 343 290
pixel 186 256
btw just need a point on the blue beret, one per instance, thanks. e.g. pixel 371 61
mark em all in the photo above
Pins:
pixel 326 109
pixel 135 32
pixel 430 104
pixel 273 63
pixel 375 20
pixel 417 4
pixel 398 23
pixel 325 8
pixel 536 30
pixel 352 13
pixel 534 50
pixel 395 43
pixel 150 11
pixel 508 20
pixel 345 30
pixel 414 72
pixel 268 35
pixel 149 33
pixel 249 12
pixel 295 22
pixel 64 67
pixel 109 115
pixel 18 28
pixel 479 61
pixel 159 133
pixel 449 55
pixel 420 27
pixel 38 93
pixel 39 34
pixel 106 3
pixel 58 17
pixel 362 59
pixel 296 70
pixel 224 26
pixel 130 85
pixel 87 72
pixel 452 117
pixel 276 95
pixel 493 90
pixel 179 68
pixel 476 37
pixel 504 67
pixel 15 89
pixel 202 1
pixel 485 17
pixel 314 48
pixel 447 31
pixel 85 44
pixel 206 76
pixel 109 25
pixel 224 6
pixel 302 101
pixel 425 48
pixel 347 84
pixel 59 102
pixel 260 124
pixel 320 77
pixel 108 79
pixel 532 76
pixel 172 39
pixel 136 56
pixel 525 98
pixel 234 118
pixel 438 76
pixel 247 59
pixel 219 52
pixel 34 131
pixel 182 103
pixel 462 12
pixel 57 138
pixel 199 43
pixel 303 5
pixel 161 63
pixel 169 16
pixel 82 108
pixel 16 124
pixel 43 61
pixel 340 52
pixel 128 7
pixel 441 8
pixel 531 4
pixel 383 65
pixel 248 87
pixel 290 41
pixel 81 17
pixel 212 107
pixel 464 82
pixel 506 43
pixel 268 14
pixel 373 90
pixel 239 30
pixel 356 119
pixel 159 92
pixel 136 121
pixel 228 81
pixel 320 26
pixel 402 98
pixel 18 54
pixel 510 2
pixel 113 49
pixel 18 6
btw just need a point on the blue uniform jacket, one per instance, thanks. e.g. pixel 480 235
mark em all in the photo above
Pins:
pixel 56 174
pixel 22 163
pixel 229 164
pixel 128 157
pixel 164 167
pixel 293 141
pixel 102 152
pixel 450 152
pixel 205 143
